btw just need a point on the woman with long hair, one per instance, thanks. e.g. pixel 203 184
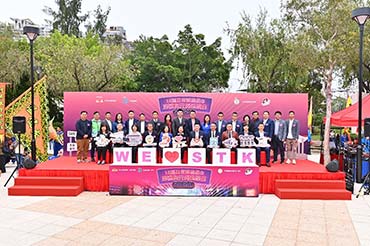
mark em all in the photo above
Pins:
pixel 206 125
pixel 118 120
pixel 168 122
pixel 102 142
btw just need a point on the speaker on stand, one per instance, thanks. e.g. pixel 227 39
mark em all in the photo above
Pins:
pixel 19 127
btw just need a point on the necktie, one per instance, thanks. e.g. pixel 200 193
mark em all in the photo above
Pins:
pixel 230 135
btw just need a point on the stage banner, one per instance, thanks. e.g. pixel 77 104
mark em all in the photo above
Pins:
pixel 168 103
pixel 184 180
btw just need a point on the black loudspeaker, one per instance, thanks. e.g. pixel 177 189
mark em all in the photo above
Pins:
pixel 332 166
pixel 29 164
pixel 367 127
pixel 19 125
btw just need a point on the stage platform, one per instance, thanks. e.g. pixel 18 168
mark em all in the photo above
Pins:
pixel 96 177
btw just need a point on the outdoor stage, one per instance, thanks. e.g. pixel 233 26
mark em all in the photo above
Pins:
pixel 96 177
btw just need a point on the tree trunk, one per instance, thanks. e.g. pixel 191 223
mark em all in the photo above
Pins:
pixel 328 96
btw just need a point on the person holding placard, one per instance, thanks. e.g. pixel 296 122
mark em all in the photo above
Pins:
pixel 246 139
pixel 213 141
pixel 102 142
pixel 197 138
pixel 150 137
pixel 262 140
pixel 134 140
pixel 118 138
pixel 230 137
pixel 180 141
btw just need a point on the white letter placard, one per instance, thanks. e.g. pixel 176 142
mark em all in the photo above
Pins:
pixel 221 156
pixel 147 156
pixel 246 157
pixel 122 155
pixel 196 156
pixel 171 156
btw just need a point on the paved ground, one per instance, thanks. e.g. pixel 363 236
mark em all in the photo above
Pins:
pixel 95 218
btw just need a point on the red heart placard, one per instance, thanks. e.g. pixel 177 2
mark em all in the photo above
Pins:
pixel 171 156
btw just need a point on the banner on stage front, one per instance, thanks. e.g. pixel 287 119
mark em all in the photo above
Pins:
pixel 147 155
pixel 221 156
pixel 184 180
pixel 122 155
pixel 196 156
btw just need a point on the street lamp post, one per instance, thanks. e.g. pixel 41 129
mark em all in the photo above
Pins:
pixel 360 15
pixel 32 32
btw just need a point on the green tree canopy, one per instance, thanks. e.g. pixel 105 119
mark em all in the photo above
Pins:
pixel 187 64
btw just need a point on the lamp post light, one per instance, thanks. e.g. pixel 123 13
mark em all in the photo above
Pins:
pixel 360 15
pixel 32 32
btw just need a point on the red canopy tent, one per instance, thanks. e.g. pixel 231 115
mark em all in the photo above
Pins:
pixel 349 116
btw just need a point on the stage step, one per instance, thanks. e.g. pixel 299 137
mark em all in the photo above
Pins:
pixel 315 194
pixel 312 189
pixel 46 186
pixel 55 181
pixel 310 184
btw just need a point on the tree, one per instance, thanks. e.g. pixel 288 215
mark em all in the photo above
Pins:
pixel 67 18
pixel 188 64
pixel 100 23
pixel 264 51
pixel 83 64
pixel 321 29
pixel 14 63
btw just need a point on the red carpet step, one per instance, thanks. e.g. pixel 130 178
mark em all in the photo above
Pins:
pixel 46 186
pixel 312 189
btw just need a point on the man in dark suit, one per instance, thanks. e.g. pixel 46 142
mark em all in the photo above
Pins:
pixel 221 123
pixel 254 122
pixel 213 134
pixel 108 122
pixel 157 124
pixel 178 121
pixel 197 137
pixel 190 123
pixel 292 129
pixel 237 126
pixel 268 124
pixel 130 121
pixel 261 133
pixel 142 124
pixel 279 137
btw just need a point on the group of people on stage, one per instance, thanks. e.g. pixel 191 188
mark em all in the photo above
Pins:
pixel 252 132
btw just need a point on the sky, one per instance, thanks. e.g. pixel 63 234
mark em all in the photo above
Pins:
pixel 156 18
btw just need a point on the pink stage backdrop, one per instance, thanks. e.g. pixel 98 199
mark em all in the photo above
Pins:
pixel 160 180
pixel 202 103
